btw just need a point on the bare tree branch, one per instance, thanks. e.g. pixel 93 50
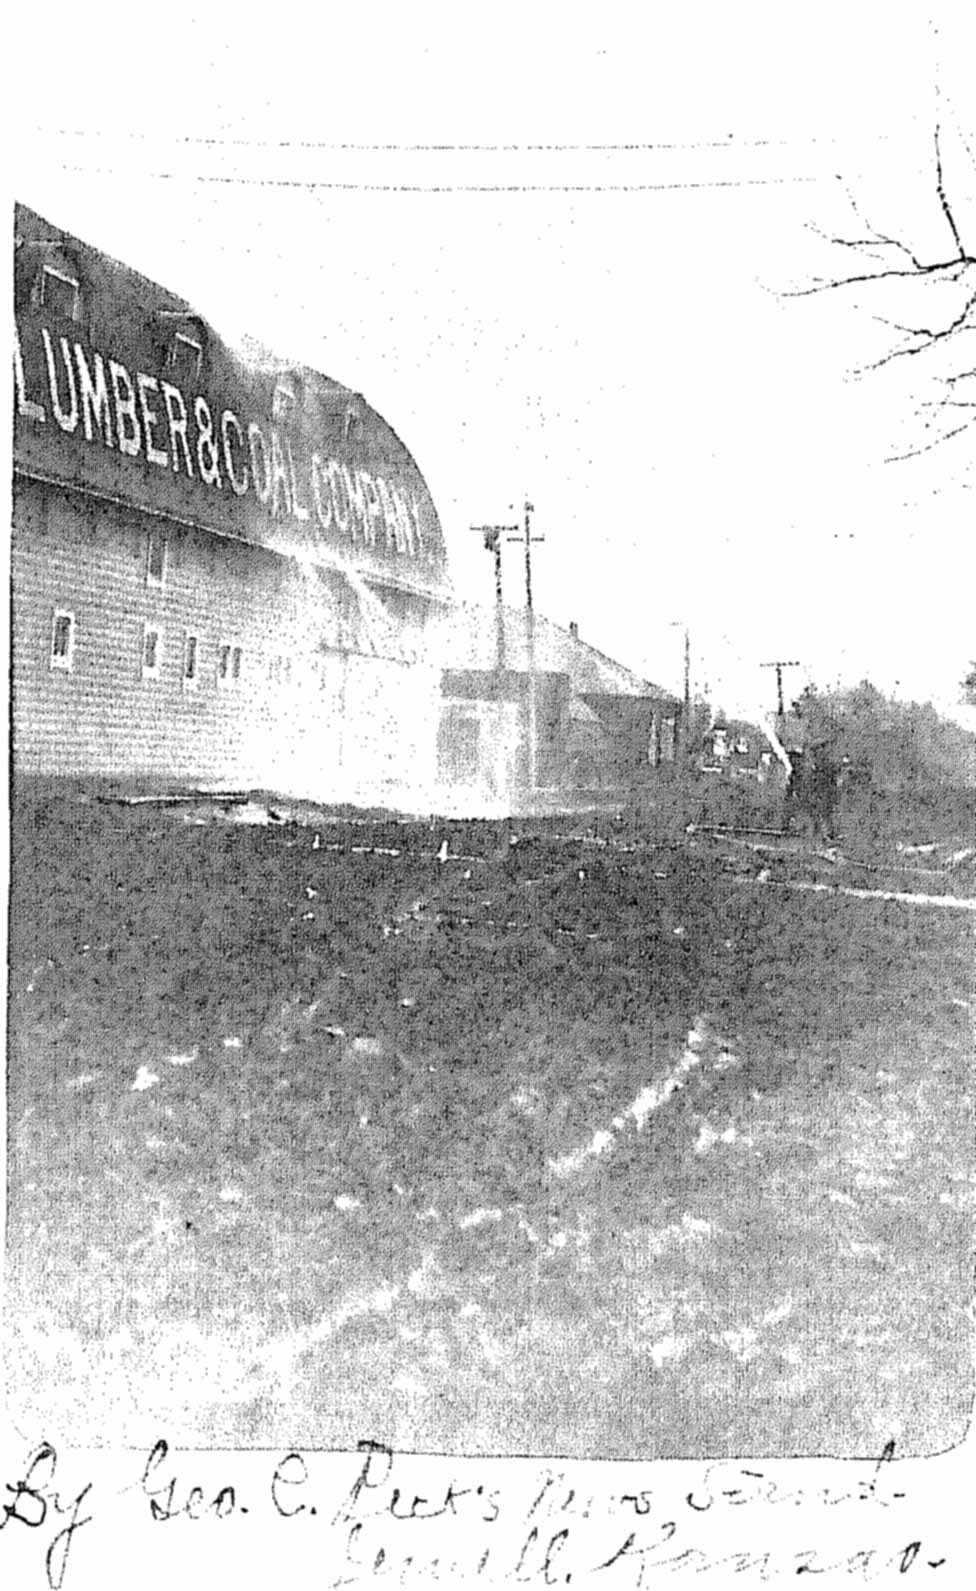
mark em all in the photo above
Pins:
pixel 946 207
pixel 959 125
pixel 929 337
pixel 876 235
pixel 926 447
pixel 892 264
pixel 950 269
pixel 905 274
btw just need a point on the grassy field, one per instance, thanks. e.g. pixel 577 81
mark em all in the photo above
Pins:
pixel 595 1143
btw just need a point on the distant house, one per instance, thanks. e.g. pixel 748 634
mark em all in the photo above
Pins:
pixel 738 749
pixel 597 724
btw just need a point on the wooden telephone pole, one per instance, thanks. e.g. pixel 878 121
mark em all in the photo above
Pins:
pixel 526 536
pixel 681 624
pixel 779 664
pixel 492 536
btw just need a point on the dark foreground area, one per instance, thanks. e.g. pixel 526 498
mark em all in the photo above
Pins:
pixel 606 1141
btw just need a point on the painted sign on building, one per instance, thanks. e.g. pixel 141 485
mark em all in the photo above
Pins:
pixel 140 401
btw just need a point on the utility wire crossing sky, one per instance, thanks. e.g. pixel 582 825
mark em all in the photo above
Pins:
pixel 561 261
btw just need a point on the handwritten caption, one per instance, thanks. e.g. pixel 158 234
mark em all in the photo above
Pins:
pixel 400 1519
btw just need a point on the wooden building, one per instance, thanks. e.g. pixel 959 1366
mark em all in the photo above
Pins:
pixel 224 566
pixel 559 722
pixel 228 572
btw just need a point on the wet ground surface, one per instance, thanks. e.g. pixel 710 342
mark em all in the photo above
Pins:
pixel 595 1143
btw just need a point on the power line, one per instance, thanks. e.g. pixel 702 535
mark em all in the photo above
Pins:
pixel 313 185
pixel 729 143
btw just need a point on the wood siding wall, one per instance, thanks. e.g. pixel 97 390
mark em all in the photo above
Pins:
pixel 306 716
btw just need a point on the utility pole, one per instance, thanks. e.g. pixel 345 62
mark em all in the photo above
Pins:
pixel 492 536
pixel 779 664
pixel 687 694
pixel 680 624
pixel 528 538
pixel 525 535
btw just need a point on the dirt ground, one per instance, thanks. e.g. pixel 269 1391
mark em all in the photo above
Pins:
pixel 618 1139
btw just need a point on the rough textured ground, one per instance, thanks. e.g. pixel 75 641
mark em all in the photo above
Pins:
pixel 597 1143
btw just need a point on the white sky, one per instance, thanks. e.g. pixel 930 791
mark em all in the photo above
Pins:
pixel 601 329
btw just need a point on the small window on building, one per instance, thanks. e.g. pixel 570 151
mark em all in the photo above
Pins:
pixel 152 651
pixel 191 662
pixel 63 640
pixel 284 402
pixel 185 358
pixel 60 292
pixel 156 556
pixel 229 663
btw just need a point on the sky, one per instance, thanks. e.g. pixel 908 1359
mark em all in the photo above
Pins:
pixel 565 254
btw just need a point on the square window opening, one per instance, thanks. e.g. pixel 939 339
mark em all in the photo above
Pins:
pixel 63 640
pixel 152 651
pixel 284 403
pixel 185 357
pixel 157 555
pixel 60 292
pixel 229 659
pixel 191 662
